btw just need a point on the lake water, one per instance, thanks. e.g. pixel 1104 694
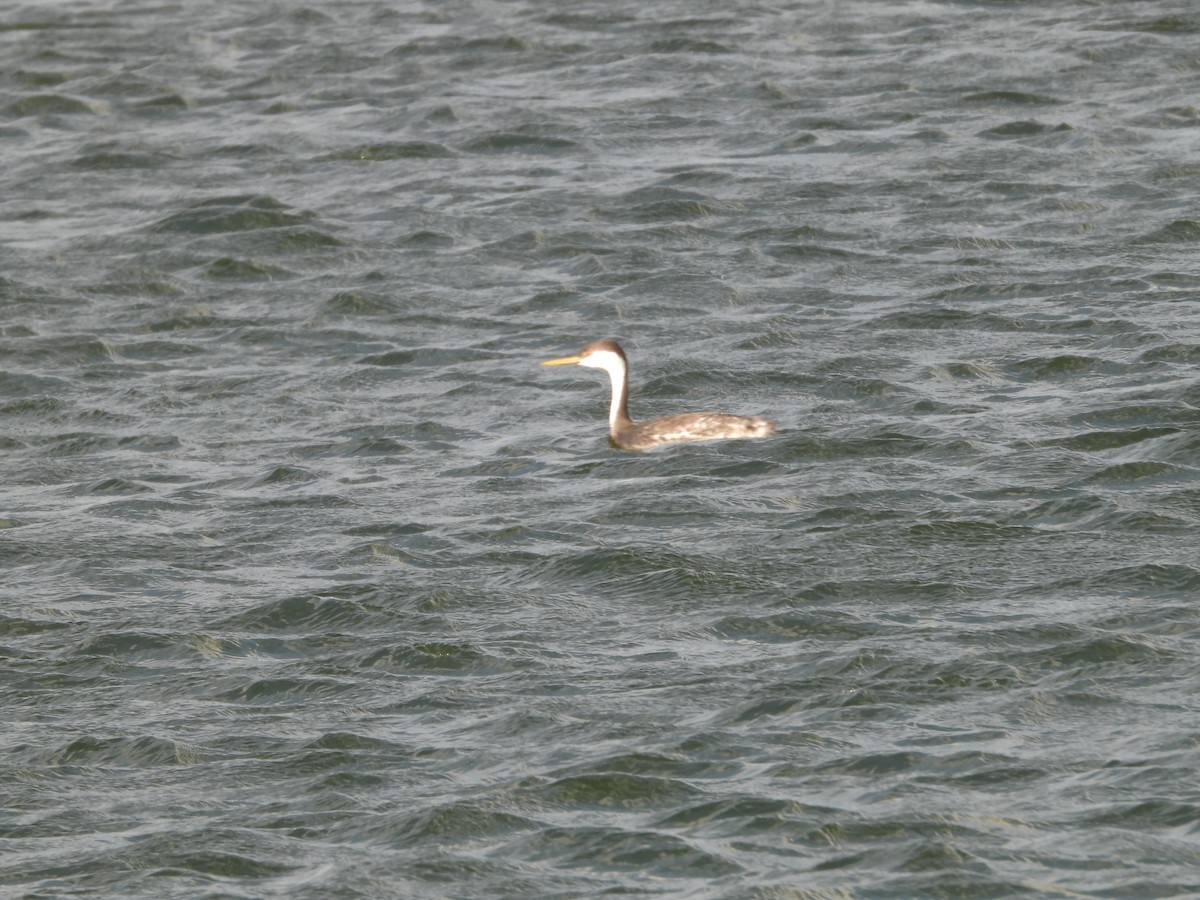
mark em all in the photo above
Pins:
pixel 314 584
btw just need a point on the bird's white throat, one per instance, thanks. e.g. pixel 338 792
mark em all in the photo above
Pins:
pixel 614 365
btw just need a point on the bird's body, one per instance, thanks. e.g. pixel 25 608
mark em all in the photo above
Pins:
pixel 685 428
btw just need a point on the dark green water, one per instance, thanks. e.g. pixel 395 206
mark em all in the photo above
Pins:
pixel 315 585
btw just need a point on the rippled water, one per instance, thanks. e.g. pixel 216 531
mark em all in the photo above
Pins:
pixel 315 584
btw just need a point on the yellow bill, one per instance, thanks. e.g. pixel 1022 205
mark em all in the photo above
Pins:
pixel 565 361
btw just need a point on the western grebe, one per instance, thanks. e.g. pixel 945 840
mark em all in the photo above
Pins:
pixel 630 435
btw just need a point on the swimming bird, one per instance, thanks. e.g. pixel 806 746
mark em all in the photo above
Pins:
pixel 629 435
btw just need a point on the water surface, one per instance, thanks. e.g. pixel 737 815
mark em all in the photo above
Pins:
pixel 315 584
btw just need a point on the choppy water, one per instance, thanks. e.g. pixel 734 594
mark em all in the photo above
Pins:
pixel 314 584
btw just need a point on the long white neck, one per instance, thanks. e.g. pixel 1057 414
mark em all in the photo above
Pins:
pixel 620 394
pixel 618 374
